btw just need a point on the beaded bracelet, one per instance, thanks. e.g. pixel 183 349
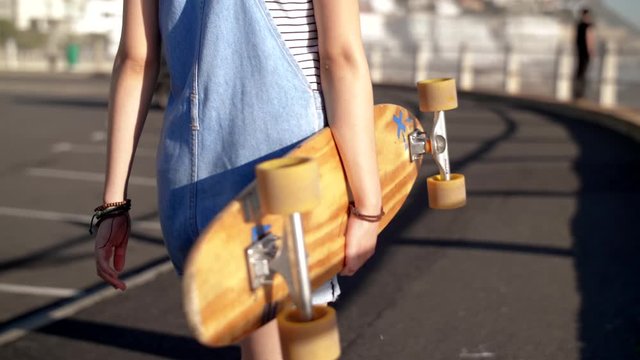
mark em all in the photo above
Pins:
pixel 108 210
pixel 113 204
pixel 353 210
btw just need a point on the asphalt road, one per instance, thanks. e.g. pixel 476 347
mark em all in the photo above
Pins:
pixel 541 264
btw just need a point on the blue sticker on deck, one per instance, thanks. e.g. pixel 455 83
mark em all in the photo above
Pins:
pixel 259 231
pixel 402 128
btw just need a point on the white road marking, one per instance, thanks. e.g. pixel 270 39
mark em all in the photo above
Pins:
pixel 24 326
pixel 85 176
pixel 61 147
pixel 19 87
pixel 93 149
pixel 476 355
pixel 38 290
pixel 65 217
pixel 98 136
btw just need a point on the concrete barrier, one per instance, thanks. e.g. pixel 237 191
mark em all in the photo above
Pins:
pixel 624 121
pixel 512 72
pixel 564 74
pixel 465 68
pixel 608 92
pixel 421 63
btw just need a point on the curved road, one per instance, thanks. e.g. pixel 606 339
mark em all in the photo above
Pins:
pixel 543 262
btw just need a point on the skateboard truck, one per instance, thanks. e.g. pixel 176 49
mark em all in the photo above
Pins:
pixel 265 258
pixel 261 254
pixel 287 187
pixel 446 190
pixel 420 143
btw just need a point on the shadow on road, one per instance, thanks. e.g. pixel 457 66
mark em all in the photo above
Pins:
pixel 74 102
pixel 485 245
pixel 138 340
pixel 606 235
pixel 54 254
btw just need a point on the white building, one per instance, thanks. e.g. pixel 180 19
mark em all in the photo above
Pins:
pixel 80 17
pixel 38 14
pixel 102 17
pixel 7 9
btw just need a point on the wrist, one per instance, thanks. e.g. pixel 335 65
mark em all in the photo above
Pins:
pixel 108 210
pixel 374 216
pixel 113 197
pixel 368 204
pixel 368 208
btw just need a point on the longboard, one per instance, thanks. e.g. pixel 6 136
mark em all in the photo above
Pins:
pixel 219 301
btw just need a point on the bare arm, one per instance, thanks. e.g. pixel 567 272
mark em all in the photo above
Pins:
pixel 135 72
pixel 133 79
pixel 349 101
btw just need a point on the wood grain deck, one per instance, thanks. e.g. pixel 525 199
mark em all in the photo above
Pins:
pixel 221 307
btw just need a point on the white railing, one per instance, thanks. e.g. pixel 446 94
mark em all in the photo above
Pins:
pixel 613 79
pixel 614 76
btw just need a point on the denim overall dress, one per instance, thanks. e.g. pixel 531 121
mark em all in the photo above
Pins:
pixel 237 97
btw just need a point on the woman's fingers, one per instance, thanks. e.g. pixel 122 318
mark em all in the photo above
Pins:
pixel 122 239
pixel 112 280
pixel 119 256
pixel 360 245
pixel 110 247
pixel 104 269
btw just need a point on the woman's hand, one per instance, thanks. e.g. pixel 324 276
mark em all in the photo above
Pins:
pixel 111 245
pixel 361 239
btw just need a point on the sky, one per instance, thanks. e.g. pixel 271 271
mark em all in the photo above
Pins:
pixel 629 9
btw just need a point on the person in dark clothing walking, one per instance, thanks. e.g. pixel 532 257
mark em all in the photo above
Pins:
pixel 585 42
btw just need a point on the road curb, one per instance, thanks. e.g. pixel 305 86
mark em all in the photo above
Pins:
pixel 624 121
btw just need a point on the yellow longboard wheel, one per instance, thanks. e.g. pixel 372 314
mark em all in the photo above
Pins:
pixel 446 194
pixel 317 339
pixel 437 95
pixel 288 185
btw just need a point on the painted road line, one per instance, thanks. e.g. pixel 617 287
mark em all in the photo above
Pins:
pixel 38 290
pixel 63 147
pixel 85 176
pixel 72 92
pixel 83 300
pixel 476 355
pixel 65 217
pixel 99 135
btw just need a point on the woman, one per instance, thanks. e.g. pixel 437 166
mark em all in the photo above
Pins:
pixel 239 95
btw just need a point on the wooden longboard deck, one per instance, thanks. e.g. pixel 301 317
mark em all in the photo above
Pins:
pixel 221 307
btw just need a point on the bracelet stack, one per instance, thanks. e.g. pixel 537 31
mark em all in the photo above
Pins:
pixel 108 210
pixel 353 210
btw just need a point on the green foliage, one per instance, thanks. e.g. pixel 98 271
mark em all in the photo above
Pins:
pixel 28 39
pixel 7 30
pixel 31 39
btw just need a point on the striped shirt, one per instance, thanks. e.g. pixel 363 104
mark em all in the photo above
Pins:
pixel 297 25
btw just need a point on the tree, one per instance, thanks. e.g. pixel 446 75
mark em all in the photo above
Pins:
pixel 7 30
